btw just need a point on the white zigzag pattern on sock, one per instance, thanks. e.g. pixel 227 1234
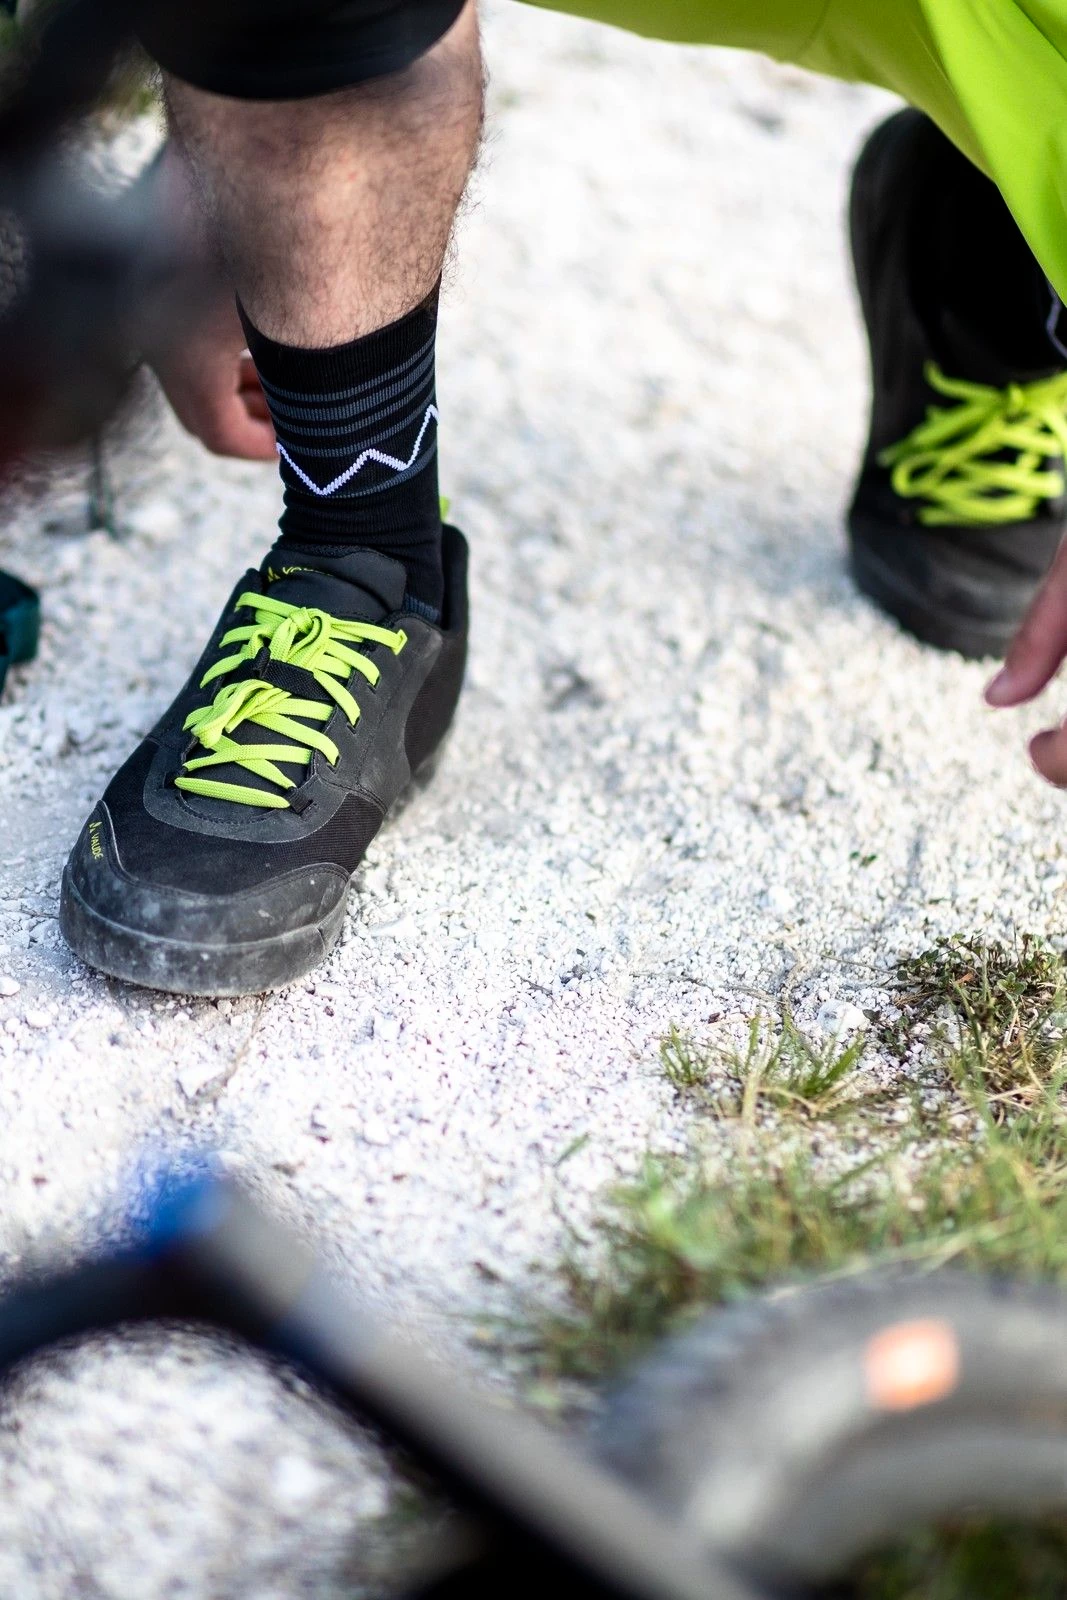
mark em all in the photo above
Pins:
pixel 432 414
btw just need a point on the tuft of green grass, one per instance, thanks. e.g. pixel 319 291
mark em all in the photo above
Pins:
pixel 778 1068
pixel 781 1069
pixel 1001 995
pixel 685 1065
pixel 679 1238
pixel 966 1164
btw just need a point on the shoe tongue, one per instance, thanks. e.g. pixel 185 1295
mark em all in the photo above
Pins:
pixel 968 354
pixel 359 586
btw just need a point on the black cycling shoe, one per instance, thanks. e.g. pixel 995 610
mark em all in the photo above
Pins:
pixel 960 506
pixel 218 861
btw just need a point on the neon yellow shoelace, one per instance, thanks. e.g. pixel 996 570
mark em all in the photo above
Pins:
pixel 944 461
pixel 304 637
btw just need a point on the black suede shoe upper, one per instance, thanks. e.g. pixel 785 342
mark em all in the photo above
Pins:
pixel 187 867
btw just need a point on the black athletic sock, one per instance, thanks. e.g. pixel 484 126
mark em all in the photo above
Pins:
pixel 357 441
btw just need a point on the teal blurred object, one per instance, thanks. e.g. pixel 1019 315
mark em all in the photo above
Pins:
pixel 20 620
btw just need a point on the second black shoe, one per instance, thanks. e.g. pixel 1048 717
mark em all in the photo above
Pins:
pixel 960 503
pixel 219 859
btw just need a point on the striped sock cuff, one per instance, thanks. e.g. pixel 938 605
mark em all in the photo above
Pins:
pixel 356 427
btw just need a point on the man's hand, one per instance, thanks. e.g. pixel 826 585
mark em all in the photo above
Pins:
pixel 206 373
pixel 1036 652
pixel 208 377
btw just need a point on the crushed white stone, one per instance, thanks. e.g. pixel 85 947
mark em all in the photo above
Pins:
pixel 694 777
pixel 839 1018
pixel 195 1078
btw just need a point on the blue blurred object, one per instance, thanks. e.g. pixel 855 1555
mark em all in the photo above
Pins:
pixel 200 1251
pixel 171 1204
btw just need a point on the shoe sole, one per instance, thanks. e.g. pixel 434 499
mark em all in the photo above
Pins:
pixel 945 630
pixel 211 971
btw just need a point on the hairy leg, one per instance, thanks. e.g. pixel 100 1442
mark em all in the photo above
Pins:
pixel 333 214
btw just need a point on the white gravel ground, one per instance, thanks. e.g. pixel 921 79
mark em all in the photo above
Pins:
pixel 693 775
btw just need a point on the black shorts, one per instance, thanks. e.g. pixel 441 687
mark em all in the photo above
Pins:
pixel 289 49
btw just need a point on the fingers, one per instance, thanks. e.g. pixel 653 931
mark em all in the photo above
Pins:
pixel 1048 752
pixel 234 429
pixel 248 387
pixel 216 397
pixel 1040 645
pixel 1036 652
pixel 224 422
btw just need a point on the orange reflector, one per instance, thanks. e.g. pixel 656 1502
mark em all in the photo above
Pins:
pixel 911 1364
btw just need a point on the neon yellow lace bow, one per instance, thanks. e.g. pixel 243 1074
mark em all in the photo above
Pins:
pixel 304 637
pixel 944 460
